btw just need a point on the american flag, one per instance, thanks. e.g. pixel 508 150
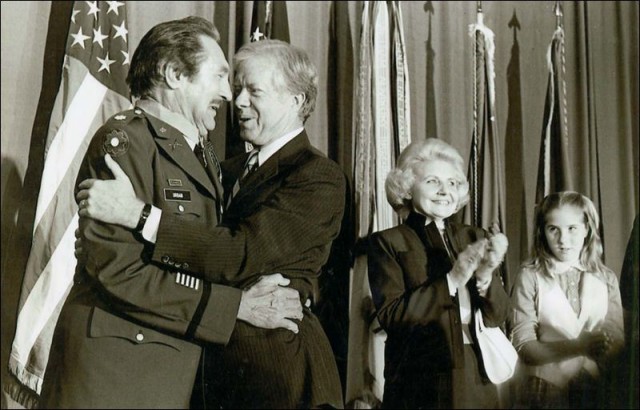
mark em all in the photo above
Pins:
pixel 92 89
pixel 269 20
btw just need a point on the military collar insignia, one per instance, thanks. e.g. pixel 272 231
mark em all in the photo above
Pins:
pixel 175 144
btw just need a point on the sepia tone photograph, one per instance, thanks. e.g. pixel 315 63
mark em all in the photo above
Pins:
pixel 320 204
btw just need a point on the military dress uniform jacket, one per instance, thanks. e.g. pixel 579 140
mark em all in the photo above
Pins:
pixel 125 336
pixel 283 219
pixel 424 357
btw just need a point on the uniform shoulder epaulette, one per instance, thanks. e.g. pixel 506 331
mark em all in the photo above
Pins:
pixel 124 117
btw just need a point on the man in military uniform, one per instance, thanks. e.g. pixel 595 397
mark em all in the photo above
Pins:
pixel 129 332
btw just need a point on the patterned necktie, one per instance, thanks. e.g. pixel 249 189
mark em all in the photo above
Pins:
pixel 251 165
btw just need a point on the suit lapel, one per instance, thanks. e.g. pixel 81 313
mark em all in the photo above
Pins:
pixel 173 143
pixel 284 157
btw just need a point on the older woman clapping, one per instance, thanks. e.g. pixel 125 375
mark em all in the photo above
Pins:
pixel 428 275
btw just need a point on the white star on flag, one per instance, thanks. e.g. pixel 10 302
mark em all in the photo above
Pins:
pixel 255 36
pixel 113 6
pixel 98 36
pixel 126 57
pixel 121 31
pixel 79 38
pixel 93 8
pixel 73 15
pixel 105 63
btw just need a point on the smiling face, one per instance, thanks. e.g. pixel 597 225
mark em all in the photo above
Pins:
pixel 565 231
pixel 204 92
pixel 435 189
pixel 265 109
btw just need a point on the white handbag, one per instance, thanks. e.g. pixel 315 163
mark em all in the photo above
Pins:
pixel 498 354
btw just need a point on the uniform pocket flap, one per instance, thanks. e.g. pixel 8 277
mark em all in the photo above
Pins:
pixel 104 324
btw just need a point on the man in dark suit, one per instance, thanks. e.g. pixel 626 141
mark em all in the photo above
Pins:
pixel 126 336
pixel 286 203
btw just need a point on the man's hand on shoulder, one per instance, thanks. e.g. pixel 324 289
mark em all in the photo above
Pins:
pixel 111 201
pixel 269 304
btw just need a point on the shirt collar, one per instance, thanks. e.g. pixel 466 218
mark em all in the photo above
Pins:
pixel 559 267
pixel 266 151
pixel 177 121
pixel 439 224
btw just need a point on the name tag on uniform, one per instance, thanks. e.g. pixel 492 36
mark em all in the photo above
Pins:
pixel 177 195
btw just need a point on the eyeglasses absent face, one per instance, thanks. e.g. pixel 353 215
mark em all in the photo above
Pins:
pixel 435 191
pixel 565 231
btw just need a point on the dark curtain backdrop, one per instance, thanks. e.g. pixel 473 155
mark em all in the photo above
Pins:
pixel 602 91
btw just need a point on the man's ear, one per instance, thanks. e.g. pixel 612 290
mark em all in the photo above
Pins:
pixel 298 100
pixel 172 77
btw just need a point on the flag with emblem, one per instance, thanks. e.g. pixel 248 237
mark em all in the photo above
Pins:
pixel 92 89
pixel 553 167
pixel 487 188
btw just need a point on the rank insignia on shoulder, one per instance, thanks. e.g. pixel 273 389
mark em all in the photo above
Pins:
pixel 120 117
pixel 116 143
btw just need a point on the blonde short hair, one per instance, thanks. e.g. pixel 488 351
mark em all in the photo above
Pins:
pixel 401 179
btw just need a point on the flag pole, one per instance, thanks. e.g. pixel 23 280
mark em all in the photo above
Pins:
pixel 267 19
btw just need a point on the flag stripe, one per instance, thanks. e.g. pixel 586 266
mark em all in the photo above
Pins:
pixel 363 165
pixel 402 80
pixel 69 137
pixel 382 113
pixel 48 291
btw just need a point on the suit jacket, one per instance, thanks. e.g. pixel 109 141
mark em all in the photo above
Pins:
pixel 424 357
pixel 125 336
pixel 283 219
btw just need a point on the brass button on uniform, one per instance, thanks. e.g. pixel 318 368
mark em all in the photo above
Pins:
pixel 139 337
pixel 180 208
pixel 165 259
pixel 185 265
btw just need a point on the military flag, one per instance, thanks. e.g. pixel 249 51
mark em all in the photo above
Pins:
pixel 487 188
pixel 382 131
pixel 553 167
pixel 92 89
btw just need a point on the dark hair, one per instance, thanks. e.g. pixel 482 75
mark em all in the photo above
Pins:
pixel 298 72
pixel 175 42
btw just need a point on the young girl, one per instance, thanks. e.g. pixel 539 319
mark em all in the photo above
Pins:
pixel 567 320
